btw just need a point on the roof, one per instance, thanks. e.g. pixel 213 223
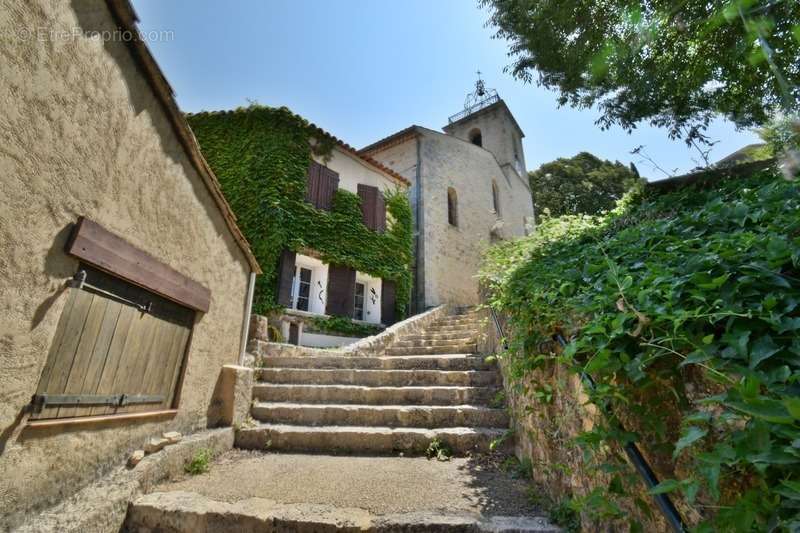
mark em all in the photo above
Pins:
pixel 708 177
pixel 364 157
pixel 394 138
pixel 126 19
pixel 500 103
pixel 742 155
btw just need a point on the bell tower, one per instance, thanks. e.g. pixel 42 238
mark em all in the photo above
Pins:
pixel 486 121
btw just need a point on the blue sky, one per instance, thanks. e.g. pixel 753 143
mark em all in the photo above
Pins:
pixel 363 69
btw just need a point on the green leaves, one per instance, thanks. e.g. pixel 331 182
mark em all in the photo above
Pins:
pixel 261 156
pixel 714 272
pixel 689 436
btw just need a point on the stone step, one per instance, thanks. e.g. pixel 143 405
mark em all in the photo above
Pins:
pixel 430 350
pixel 377 378
pixel 464 337
pixel 369 439
pixel 354 394
pixel 465 330
pixel 451 343
pixel 192 512
pixel 397 362
pixel 421 416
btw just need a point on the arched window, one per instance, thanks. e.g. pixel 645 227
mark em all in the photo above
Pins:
pixel 495 198
pixel 452 206
pixel 475 137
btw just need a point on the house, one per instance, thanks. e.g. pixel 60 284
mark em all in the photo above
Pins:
pixel 124 278
pixel 332 227
pixel 469 189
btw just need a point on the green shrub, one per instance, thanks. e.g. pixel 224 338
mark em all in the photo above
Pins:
pixel 438 450
pixel 200 463
pixel 685 309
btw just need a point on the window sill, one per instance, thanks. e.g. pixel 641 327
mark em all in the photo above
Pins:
pixel 99 419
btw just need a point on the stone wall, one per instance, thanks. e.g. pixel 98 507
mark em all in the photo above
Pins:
pixel 83 134
pixel 453 254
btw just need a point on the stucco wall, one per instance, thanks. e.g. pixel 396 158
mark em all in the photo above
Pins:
pixel 82 134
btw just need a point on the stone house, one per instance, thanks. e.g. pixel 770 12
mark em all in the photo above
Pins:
pixel 310 288
pixel 124 279
pixel 469 189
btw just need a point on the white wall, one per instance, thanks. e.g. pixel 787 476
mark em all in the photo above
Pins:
pixel 354 170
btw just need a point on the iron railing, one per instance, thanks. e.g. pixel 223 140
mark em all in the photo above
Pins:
pixel 663 501
pixel 486 102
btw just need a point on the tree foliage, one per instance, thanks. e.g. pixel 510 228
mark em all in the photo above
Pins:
pixel 672 63
pixel 580 184
pixel 685 309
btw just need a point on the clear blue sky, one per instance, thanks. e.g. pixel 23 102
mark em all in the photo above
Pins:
pixel 363 69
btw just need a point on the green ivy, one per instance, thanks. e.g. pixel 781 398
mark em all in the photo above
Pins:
pixel 261 156
pixel 684 308
pixel 344 326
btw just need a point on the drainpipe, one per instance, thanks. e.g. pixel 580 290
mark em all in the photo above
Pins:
pixel 419 271
pixel 248 309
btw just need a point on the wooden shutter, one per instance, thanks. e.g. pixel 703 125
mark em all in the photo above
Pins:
pixel 118 349
pixel 286 277
pixel 380 213
pixel 341 291
pixel 321 184
pixel 388 301
pixel 373 207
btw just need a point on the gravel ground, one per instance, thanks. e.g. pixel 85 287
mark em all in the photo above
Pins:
pixel 380 485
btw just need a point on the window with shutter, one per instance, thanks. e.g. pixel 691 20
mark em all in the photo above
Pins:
pixel 341 291
pixel 321 184
pixel 118 349
pixel 373 207
pixel 388 301
pixel 286 271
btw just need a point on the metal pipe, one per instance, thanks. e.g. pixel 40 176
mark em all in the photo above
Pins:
pixel 663 501
pixel 248 310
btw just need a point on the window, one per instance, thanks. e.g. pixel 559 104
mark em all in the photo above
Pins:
pixel 452 207
pixel 303 290
pixel 321 184
pixel 475 137
pixel 119 348
pixel 495 198
pixel 358 308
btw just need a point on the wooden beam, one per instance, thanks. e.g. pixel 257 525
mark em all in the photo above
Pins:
pixel 92 243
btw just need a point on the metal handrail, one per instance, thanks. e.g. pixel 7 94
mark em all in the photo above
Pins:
pixel 663 501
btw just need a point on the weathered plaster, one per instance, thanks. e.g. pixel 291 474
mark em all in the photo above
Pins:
pixel 81 133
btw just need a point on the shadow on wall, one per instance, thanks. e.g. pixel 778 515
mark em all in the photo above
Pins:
pixel 57 265
pixel 94 16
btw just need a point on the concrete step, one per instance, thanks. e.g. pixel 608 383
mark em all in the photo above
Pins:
pixel 376 378
pixel 430 350
pixel 421 416
pixel 410 362
pixel 192 512
pixel 354 394
pixel 451 343
pixel 357 439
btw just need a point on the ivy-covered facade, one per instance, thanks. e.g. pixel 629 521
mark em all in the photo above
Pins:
pixel 331 228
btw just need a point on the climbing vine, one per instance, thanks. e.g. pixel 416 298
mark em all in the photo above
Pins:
pixel 685 309
pixel 261 155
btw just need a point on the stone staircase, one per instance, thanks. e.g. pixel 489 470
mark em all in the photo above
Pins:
pixel 425 386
